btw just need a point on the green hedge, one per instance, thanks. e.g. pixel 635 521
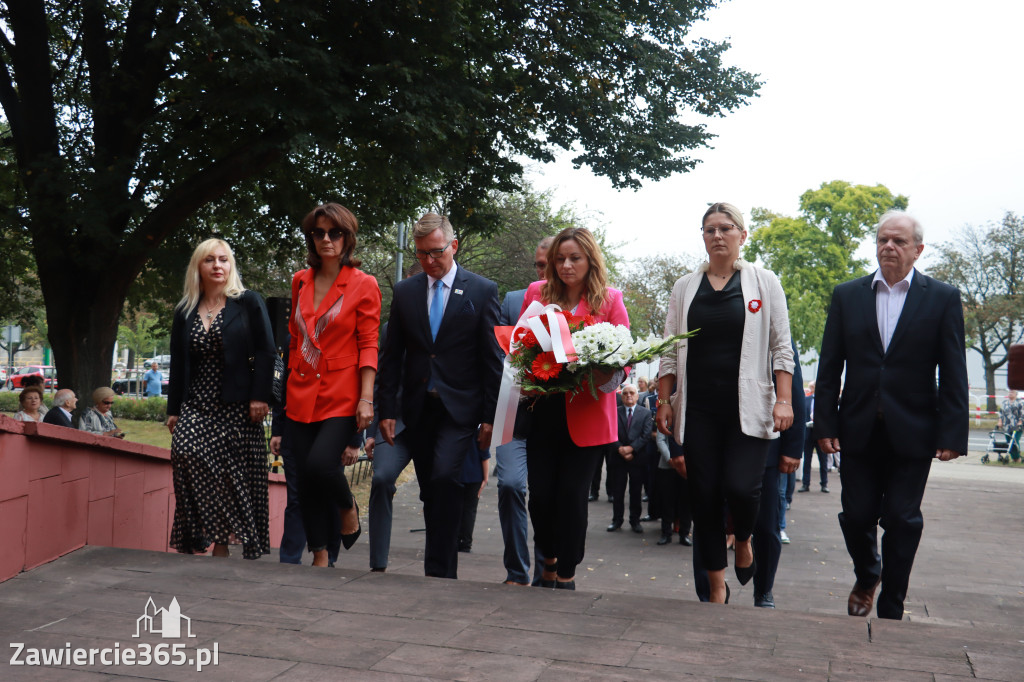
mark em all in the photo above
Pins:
pixel 141 409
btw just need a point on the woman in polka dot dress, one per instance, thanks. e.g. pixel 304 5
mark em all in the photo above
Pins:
pixel 222 363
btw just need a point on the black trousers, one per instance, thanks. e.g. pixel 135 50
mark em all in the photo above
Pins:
pixel 811 446
pixel 470 502
pixel 882 487
pixel 767 542
pixel 559 473
pixel 622 472
pixel 323 488
pixel 438 445
pixel 595 480
pixel 722 464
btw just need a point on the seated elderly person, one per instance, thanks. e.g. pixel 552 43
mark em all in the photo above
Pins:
pixel 98 419
pixel 30 400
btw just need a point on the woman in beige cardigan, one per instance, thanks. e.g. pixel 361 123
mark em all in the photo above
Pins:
pixel 724 408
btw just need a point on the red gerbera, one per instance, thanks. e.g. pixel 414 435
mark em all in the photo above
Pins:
pixel 546 367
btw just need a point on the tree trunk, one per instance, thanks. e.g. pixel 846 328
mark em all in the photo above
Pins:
pixel 990 382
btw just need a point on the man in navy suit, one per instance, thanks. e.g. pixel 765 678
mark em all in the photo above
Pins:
pixel 891 331
pixel 441 348
pixel 64 402
pixel 628 460
pixel 510 462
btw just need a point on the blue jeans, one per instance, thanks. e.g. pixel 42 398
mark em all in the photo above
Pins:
pixel 510 470
pixel 786 483
pixel 293 538
pixel 388 463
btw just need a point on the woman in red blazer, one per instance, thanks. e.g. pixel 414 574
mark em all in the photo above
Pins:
pixel 569 434
pixel 332 364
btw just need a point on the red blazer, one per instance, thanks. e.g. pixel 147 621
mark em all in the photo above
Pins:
pixel 329 345
pixel 591 422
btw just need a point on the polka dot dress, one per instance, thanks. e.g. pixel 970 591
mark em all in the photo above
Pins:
pixel 219 459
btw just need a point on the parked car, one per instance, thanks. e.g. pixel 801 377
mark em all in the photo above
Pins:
pixel 134 385
pixel 3 375
pixel 48 372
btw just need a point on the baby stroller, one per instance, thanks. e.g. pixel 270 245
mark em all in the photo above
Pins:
pixel 999 443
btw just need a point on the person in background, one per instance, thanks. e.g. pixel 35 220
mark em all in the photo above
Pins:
pixel 1011 421
pixel 64 402
pixel 30 400
pixel 629 463
pixel 510 461
pixel 38 382
pixel 153 379
pixel 222 368
pixel 811 446
pixel 769 531
pixel 476 470
pixel 97 419
pixel 724 411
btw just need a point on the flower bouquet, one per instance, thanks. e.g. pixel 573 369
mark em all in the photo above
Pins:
pixel 553 351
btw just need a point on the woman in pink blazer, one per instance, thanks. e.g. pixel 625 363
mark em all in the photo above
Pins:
pixel 569 434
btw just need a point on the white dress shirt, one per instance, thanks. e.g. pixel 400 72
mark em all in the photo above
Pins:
pixel 449 280
pixel 889 304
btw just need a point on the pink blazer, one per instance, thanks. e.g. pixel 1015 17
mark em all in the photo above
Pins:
pixel 591 422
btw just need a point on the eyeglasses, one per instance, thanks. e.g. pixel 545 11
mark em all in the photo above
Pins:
pixel 319 235
pixel 433 253
pixel 539 265
pixel 108 402
pixel 725 230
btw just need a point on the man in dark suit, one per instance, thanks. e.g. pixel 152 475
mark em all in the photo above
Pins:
pixel 441 348
pixel 64 403
pixel 891 331
pixel 628 462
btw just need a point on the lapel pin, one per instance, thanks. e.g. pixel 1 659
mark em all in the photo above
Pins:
pixel 458 291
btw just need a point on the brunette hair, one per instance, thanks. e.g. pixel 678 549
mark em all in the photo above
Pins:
pixel 595 290
pixel 29 389
pixel 339 217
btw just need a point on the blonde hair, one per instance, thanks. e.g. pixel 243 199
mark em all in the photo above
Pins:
pixel 735 215
pixel 430 222
pixel 194 285
pixel 595 289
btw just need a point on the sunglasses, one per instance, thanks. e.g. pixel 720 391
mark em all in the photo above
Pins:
pixel 319 234
pixel 108 402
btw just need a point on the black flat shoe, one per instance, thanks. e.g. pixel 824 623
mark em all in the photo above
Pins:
pixel 612 527
pixel 545 583
pixel 565 585
pixel 348 540
pixel 685 540
pixel 665 539
pixel 636 527
pixel 745 574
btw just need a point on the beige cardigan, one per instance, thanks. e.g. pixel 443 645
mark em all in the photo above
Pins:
pixel 766 347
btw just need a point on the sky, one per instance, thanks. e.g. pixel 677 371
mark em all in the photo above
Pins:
pixel 923 97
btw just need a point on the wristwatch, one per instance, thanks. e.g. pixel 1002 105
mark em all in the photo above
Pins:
pixel 664 401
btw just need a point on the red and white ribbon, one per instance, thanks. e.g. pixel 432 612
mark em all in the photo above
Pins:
pixel 560 343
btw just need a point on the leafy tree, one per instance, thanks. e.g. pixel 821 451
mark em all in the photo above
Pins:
pixel 130 118
pixel 814 252
pixel 139 335
pixel 647 286
pixel 987 265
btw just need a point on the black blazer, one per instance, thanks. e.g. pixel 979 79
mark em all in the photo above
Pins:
pixel 639 431
pixel 248 353
pixel 921 415
pixel 464 362
pixel 56 416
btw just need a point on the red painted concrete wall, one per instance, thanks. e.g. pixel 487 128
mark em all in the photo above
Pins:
pixel 62 488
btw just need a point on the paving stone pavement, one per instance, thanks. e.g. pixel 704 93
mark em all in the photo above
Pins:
pixel 634 615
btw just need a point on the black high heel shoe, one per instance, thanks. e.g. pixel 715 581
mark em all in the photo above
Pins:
pixel 745 574
pixel 348 540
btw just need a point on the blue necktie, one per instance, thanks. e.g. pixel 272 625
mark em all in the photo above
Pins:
pixel 436 309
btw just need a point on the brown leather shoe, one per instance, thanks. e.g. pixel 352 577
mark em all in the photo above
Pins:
pixel 861 600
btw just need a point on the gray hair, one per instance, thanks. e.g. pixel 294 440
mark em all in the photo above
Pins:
pixel 61 397
pixel 430 222
pixel 545 243
pixel 893 214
